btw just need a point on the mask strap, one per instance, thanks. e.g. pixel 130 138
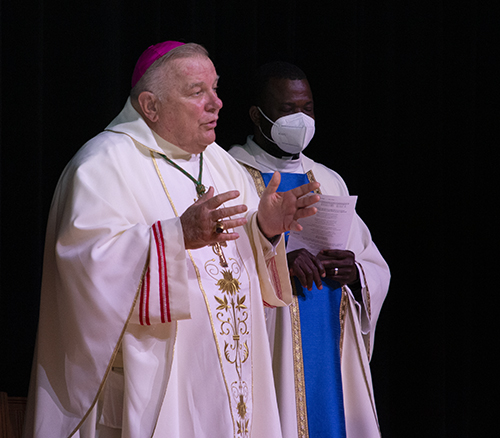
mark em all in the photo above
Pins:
pixel 265 116
pixel 265 136
pixel 262 132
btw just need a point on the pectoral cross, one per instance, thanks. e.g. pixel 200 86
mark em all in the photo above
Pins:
pixel 200 191
pixel 217 248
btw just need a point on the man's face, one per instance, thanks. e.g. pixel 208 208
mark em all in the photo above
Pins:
pixel 189 111
pixel 287 96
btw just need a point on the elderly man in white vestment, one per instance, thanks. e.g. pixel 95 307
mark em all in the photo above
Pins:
pixel 322 343
pixel 159 261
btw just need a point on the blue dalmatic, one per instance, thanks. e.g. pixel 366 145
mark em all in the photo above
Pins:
pixel 320 329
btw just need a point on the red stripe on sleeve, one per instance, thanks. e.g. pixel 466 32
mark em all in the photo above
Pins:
pixel 162 270
pixel 275 278
pixel 144 301
pixel 268 305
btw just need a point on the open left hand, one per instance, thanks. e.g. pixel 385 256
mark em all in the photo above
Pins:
pixel 279 211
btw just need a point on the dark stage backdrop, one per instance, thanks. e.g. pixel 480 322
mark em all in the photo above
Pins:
pixel 404 112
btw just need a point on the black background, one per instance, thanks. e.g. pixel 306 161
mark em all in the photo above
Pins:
pixel 406 111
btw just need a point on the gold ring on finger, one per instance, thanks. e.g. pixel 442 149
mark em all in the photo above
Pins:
pixel 219 227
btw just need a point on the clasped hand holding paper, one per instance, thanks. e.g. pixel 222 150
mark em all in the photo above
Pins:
pixel 328 228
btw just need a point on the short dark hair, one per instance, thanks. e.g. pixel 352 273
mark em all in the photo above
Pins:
pixel 277 70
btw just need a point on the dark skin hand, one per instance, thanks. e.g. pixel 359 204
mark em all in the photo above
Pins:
pixel 344 260
pixel 311 269
pixel 306 267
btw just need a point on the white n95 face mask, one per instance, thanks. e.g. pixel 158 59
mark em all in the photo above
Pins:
pixel 291 133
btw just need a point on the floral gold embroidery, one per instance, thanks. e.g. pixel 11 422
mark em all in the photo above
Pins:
pixel 233 316
pixel 227 283
pixel 242 408
pixel 242 427
pixel 240 393
pixel 224 304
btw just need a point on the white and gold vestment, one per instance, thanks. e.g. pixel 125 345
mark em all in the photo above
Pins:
pixel 139 337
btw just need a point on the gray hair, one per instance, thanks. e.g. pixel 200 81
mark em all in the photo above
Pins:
pixel 154 78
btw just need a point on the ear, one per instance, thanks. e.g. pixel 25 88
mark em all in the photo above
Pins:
pixel 254 115
pixel 149 104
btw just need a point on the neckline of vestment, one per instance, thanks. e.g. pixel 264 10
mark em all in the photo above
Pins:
pixel 173 152
pixel 270 163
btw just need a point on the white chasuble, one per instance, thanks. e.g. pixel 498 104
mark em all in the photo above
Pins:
pixel 139 337
pixel 220 382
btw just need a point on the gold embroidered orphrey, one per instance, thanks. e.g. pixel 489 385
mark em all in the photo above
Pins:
pixel 233 316
pixel 234 319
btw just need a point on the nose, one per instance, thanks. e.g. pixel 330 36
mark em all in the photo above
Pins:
pixel 214 103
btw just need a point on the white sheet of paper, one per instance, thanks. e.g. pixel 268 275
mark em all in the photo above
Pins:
pixel 328 228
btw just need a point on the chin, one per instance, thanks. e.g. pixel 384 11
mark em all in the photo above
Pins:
pixel 209 139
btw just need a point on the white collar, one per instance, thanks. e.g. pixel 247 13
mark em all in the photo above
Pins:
pixel 253 155
pixel 268 163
